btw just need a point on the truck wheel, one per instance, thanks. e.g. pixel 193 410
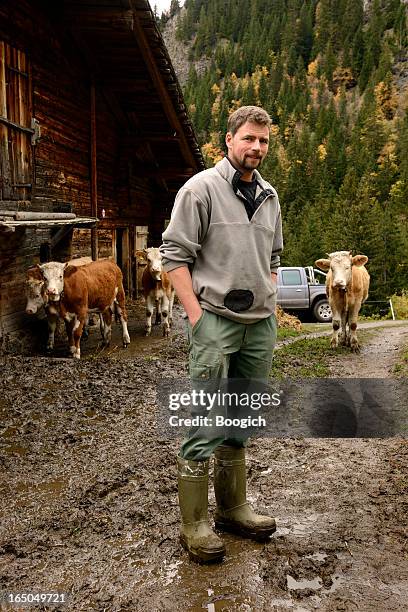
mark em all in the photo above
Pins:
pixel 322 311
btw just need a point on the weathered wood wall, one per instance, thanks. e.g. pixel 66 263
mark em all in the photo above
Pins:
pixel 57 92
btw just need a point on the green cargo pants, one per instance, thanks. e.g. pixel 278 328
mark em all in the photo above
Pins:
pixel 221 348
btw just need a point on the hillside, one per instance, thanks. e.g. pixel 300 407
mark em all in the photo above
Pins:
pixel 333 75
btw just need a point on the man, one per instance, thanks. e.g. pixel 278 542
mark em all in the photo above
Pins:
pixel 221 250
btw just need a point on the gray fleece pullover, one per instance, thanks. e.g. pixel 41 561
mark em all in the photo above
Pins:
pixel 229 256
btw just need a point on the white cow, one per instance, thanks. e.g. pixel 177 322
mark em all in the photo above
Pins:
pixel 347 284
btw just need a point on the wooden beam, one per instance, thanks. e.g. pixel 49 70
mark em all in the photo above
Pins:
pixel 160 85
pixel 94 174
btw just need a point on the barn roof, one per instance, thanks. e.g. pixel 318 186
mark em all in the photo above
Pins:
pixel 130 62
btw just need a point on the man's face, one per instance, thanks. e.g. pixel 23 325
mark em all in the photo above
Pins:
pixel 248 147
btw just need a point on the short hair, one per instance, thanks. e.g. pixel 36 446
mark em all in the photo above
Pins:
pixel 253 114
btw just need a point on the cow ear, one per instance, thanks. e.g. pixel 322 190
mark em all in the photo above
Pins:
pixel 323 264
pixel 359 260
pixel 66 265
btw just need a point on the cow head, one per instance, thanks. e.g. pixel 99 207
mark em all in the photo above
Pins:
pixel 36 297
pixel 154 263
pixel 53 275
pixel 340 264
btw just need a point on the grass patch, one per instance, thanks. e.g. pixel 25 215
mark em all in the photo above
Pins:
pixel 306 358
pixel 307 328
pixel 310 357
pixel 286 332
pixel 400 305
pixel 401 367
pixel 374 317
pixel 310 328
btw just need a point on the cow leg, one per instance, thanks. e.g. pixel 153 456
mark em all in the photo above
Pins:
pixel 353 316
pixel 69 327
pixel 158 312
pixel 78 326
pixel 334 342
pixel 102 327
pixel 171 302
pixel 121 314
pixel 52 325
pixel 85 331
pixel 149 313
pixel 107 328
pixel 343 334
pixel 165 311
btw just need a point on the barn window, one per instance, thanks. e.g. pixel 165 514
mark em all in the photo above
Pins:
pixel 17 127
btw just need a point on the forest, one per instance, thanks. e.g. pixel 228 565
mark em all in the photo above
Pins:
pixel 331 75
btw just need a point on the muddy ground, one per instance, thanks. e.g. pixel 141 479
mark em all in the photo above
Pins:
pixel 88 499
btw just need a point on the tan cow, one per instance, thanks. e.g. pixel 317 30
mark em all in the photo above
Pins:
pixel 347 284
pixel 76 291
pixel 158 291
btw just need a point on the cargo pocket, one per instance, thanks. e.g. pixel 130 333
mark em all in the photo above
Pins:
pixel 206 369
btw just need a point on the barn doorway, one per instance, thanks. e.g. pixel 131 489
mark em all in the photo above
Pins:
pixel 122 256
pixel 139 258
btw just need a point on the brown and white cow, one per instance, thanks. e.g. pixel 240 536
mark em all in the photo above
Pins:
pixel 347 284
pixel 158 291
pixel 96 287
pixel 37 303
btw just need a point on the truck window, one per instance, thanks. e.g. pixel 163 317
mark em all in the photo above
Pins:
pixel 291 277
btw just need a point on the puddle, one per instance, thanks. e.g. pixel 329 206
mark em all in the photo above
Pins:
pixel 236 585
pixel 338 580
pixel 306 526
pixel 29 494
pixel 279 604
pixel 281 531
pixel 170 572
pixel 295 585
pixel 126 546
pixel 317 556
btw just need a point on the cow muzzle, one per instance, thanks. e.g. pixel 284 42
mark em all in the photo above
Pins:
pixel 53 295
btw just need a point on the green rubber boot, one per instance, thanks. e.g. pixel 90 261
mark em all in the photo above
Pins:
pixel 196 535
pixel 234 514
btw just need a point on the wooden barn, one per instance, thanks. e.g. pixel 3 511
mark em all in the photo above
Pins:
pixel 94 139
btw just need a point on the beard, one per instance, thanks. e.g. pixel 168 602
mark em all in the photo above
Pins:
pixel 249 162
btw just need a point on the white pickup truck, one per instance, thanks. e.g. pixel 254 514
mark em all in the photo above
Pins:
pixel 303 290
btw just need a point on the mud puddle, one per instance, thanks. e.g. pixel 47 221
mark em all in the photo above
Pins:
pixel 90 507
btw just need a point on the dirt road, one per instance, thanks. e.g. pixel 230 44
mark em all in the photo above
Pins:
pixel 88 499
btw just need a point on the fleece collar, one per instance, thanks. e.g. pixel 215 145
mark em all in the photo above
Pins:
pixel 232 175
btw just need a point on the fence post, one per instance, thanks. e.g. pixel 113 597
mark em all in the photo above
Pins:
pixel 392 310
